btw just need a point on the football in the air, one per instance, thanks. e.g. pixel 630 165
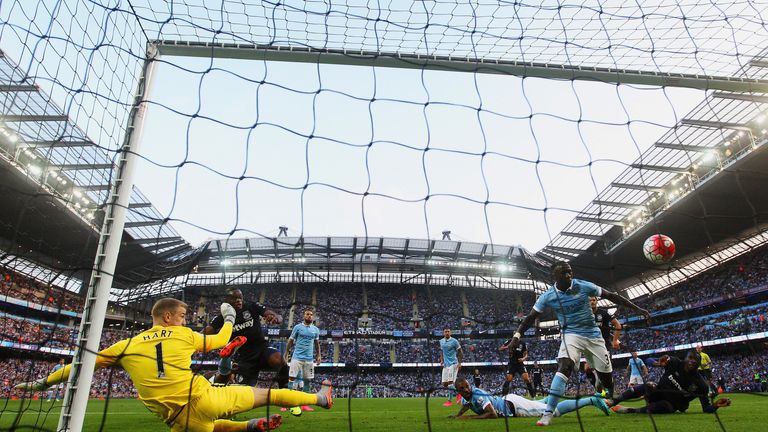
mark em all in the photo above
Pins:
pixel 659 249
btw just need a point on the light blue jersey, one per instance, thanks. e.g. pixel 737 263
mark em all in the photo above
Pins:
pixel 481 399
pixel 304 336
pixel 450 347
pixel 57 367
pixel 635 367
pixel 572 307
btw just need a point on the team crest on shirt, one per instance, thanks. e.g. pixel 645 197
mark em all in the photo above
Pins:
pixel 246 315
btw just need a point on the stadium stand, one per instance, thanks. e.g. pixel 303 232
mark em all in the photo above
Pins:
pixel 395 308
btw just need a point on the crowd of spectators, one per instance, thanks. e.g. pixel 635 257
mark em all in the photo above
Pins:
pixel 743 273
pixel 18 286
pixel 390 307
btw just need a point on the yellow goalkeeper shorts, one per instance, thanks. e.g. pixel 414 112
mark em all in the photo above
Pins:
pixel 216 403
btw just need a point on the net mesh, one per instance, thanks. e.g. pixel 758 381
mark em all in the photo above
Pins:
pixel 417 175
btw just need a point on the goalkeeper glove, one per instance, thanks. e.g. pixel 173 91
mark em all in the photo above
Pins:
pixel 228 313
pixel 36 385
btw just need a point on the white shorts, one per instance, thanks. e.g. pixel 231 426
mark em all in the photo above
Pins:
pixel 306 367
pixel 573 346
pixel 526 407
pixel 636 379
pixel 449 373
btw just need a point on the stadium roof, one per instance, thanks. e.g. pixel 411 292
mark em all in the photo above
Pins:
pixel 354 259
pixel 701 183
pixel 57 180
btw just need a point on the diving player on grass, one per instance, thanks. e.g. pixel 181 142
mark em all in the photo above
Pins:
pixel 569 299
pixel 159 363
pixel 679 385
pixel 487 406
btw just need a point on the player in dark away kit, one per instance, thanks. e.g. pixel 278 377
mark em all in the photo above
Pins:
pixel 679 385
pixel 517 358
pixel 251 350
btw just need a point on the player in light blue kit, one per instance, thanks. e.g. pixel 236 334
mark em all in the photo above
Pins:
pixel 569 299
pixel 450 359
pixel 487 406
pixel 56 391
pixel 637 370
pixel 306 338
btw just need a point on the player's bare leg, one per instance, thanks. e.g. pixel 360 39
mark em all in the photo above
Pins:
pixel 529 385
pixel 277 362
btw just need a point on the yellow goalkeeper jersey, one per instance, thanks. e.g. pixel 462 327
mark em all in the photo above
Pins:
pixel 158 361
pixel 705 361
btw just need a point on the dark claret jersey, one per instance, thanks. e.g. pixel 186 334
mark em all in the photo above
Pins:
pixel 516 354
pixel 538 373
pixel 248 324
pixel 680 387
pixel 478 379
pixel 603 320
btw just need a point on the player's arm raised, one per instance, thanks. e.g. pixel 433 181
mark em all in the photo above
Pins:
pixel 525 325
pixel 207 342
pixel 505 345
pixel 619 300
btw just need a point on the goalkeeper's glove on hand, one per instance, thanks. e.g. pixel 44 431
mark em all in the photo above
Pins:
pixel 228 313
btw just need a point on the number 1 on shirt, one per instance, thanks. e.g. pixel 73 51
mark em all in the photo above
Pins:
pixel 160 366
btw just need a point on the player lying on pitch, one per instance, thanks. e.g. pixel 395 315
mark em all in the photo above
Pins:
pixel 487 406
pixel 158 361
pixel 679 385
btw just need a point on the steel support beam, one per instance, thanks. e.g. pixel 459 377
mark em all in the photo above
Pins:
pixel 566 250
pixel 17 88
pixel 143 223
pixel 759 63
pixel 715 124
pixel 140 205
pixel 156 247
pixel 741 97
pixel 599 220
pixel 660 168
pixel 617 204
pixel 10 118
pixel 638 187
pixel 557 254
pixel 95 187
pixel 153 240
pixel 76 167
pixel 582 236
pixel 682 147
pixel 297 54
pixel 46 144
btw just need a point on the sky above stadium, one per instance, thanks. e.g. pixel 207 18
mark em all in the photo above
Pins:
pixel 242 147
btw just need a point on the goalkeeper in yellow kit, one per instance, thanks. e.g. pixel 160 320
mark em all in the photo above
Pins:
pixel 158 361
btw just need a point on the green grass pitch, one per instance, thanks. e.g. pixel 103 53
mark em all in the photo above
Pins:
pixel 748 413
